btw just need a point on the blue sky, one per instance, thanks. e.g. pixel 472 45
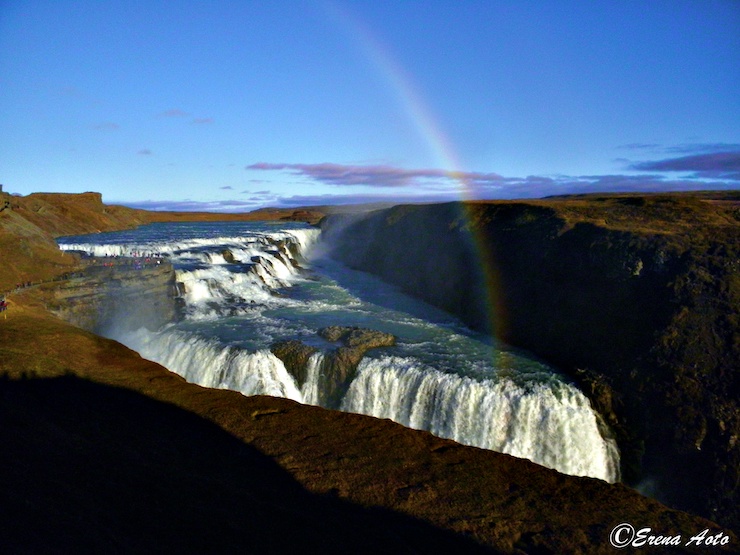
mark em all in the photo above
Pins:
pixel 240 105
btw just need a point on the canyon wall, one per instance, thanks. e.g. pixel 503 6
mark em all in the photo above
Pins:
pixel 121 295
pixel 637 298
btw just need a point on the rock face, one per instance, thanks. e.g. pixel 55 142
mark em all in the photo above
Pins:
pixel 638 298
pixel 338 366
pixel 119 297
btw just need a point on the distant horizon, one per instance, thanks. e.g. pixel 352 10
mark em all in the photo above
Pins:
pixel 386 204
pixel 236 106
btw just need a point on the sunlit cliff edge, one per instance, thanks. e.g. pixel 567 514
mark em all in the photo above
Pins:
pixel 113 452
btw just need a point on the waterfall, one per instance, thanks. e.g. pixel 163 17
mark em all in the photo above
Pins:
pixel 238 290
pixel 310 389
pixel 260 263
pixel 550 424
pixel 210 364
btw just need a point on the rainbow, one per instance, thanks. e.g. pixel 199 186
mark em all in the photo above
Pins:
pixel 430 132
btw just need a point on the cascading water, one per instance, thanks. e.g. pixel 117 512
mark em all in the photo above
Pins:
pixel 210 364
pixel 551 423
pixel 310 389
pixel 244 289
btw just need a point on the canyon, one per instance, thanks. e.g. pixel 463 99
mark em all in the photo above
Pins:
pixel 604 300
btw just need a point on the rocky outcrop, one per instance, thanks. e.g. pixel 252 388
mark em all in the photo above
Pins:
pixel 338 365
pixel 638 298
pixel 228 256
pixel 113 297
pixel 295 355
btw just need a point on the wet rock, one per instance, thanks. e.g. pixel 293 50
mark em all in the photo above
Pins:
pixel 295 355
pixel 228 256
pixel 358 338
pixel 340 366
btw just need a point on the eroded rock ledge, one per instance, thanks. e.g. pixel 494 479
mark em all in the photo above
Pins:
pixel 118 295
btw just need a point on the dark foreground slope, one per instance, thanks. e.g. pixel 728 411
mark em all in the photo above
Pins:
pixel 92 468
pixel 638 298
pixel 106 452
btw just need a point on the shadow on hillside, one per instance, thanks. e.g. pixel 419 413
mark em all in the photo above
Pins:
pixel 91 468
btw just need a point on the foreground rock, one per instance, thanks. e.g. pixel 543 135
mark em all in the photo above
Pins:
pixel 115 454
pixel 637 297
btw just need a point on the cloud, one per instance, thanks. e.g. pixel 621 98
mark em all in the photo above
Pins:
pixel 260 193
pixel 174 113
pixel 376 175
pixel 684 148
pixel 193 206
pixel 106 126
pixel 729 176
pixel 640 146
pixel 393 185
pixel 145 152
pixel 709 164
pixel 202 121
pixel 714 171
pixel 340 199
pixel 702 148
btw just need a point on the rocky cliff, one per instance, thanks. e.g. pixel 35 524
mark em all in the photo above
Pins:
pixel 637 298
pixel 117 295
pixel 338 365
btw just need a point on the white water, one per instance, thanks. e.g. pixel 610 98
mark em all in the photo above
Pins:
pixel 440 377
pixel 210 364
pixel 310 389
pixel 551 424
